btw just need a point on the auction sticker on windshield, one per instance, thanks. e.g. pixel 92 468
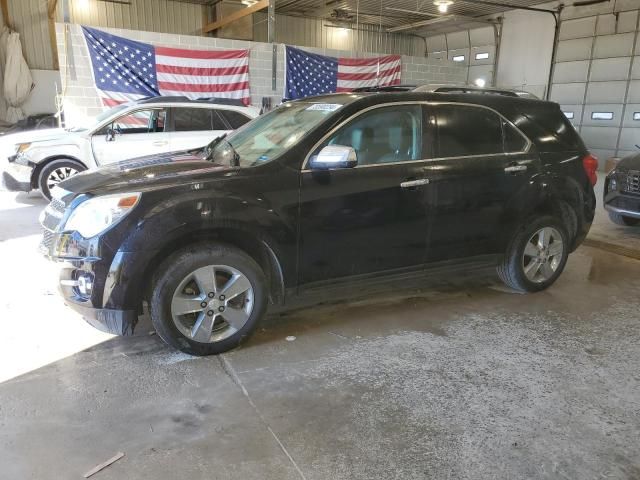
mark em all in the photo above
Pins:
pixel 325 107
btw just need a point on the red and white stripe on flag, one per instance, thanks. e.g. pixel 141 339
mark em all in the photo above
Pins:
pixel 203 73
pixel 368 72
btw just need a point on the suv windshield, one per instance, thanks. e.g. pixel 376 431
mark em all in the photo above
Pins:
pixel 100 118
pixel 266 137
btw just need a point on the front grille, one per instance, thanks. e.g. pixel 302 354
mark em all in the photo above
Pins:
pixel 57 205
pixel 53 214
pixel 47 239
pixel 632 183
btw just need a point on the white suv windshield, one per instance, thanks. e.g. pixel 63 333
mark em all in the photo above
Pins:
pixel 266 137
pixel 100 118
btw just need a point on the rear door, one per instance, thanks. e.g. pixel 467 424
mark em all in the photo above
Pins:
pixel 195 127
pixel 478 179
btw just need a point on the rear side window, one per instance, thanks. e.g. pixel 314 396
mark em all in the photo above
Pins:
pixel 191 119
pixel 234 119
pixel 465 131
pixel 513 141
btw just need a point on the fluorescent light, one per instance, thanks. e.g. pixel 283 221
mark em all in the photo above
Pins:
pixel 443 5
pixel 480 82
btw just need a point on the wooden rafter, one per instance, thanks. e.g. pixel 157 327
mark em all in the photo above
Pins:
pixel 51 17
pixel 262 4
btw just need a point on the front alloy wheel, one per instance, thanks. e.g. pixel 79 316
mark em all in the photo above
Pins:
pixel 212 303
pixel 207 298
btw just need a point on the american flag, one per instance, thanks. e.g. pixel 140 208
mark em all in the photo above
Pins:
pixel 125 70
pixel 313 74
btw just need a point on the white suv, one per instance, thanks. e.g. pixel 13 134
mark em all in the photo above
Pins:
pixel 146 127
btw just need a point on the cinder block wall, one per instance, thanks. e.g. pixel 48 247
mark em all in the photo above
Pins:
pixel 81 99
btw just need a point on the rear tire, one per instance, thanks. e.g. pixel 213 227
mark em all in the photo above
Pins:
pixel 536 255
pixel 189 306
pixel 623 220
pixel 55 172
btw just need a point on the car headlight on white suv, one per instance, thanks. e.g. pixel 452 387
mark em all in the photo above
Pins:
pixel 99 213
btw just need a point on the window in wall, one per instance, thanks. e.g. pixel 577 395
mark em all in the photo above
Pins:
pixel 482 56
pixel 636 115
pixel 465 131
pixel 569 115
pixel 513 141
pixel 601 115
pixel 383 135
pixel 458 58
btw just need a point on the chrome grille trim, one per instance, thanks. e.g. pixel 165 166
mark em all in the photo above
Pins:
pixel 632 182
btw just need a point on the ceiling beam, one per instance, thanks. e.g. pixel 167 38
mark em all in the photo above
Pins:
pixel 262 4
pixel 441 19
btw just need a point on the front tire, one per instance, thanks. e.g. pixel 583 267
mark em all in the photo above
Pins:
pixel 623 220
pixel 55 172
pixel 536 255
pixel 207 298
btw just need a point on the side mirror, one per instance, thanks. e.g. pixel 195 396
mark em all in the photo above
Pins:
pixel 111 135
pixel 334 156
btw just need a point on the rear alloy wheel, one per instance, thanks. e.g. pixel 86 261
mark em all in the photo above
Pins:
pixel 207 298
pixel 623 220
pixel 536 256
pixel 55 172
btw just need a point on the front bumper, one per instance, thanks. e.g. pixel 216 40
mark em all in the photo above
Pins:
pixel 17 177
pixel 624 203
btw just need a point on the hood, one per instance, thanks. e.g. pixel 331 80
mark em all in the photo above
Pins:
pixel 632 162
pixel 8 142
pixel 144 173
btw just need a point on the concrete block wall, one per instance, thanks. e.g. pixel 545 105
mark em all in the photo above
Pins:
pixel 81 100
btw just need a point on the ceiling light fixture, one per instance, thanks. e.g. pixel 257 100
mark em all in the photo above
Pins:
pixel 443 5
pixel 249 3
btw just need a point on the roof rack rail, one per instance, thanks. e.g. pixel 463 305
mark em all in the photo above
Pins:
pixel 182 99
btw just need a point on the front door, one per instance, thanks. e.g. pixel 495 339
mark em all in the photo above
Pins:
pixel 478 181
pixel 367 219
pixel 134 134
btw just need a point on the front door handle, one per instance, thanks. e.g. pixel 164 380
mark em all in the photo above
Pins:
pixel 415 183
pixel 160 143
pixel 515 168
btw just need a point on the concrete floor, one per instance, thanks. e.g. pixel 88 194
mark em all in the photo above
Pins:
pixel 443 382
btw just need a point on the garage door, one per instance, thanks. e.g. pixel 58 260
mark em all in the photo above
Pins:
pixel 596 79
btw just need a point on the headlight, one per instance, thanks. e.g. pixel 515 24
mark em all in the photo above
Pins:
pixel 21 147
pixel 613 181
pixel 99 213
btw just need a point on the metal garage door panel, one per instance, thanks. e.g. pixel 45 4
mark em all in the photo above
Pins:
pixel 578 49
pixel 569 93
pixel 457 40
pixel 590 110
pixel 482 36
pixel 634 92
pixel 457 53
pixel 632 110
pixel 606 25
pixel 566 72
pixel 620 45
pixel 437 43
pixel 602 155
pixel 579 28
pixel 606 92
pixel 487 49
pixel 635 68
pixel 438 55
pixel 610 69
pixel 481 71
pixel 573 113
pixel 604 138
pixel 627 21
pixel 629 138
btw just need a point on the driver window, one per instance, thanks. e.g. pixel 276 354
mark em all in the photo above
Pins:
pixel 383 135
pixel 140 121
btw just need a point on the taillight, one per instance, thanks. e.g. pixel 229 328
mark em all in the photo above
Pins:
pixel 590 164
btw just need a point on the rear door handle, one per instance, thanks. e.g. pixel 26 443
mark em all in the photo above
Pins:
pixel 160 143
pixel 515 168
pixel 415 183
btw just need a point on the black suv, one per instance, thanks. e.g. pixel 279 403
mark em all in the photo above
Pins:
pixel 622 192
pixel 327 191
